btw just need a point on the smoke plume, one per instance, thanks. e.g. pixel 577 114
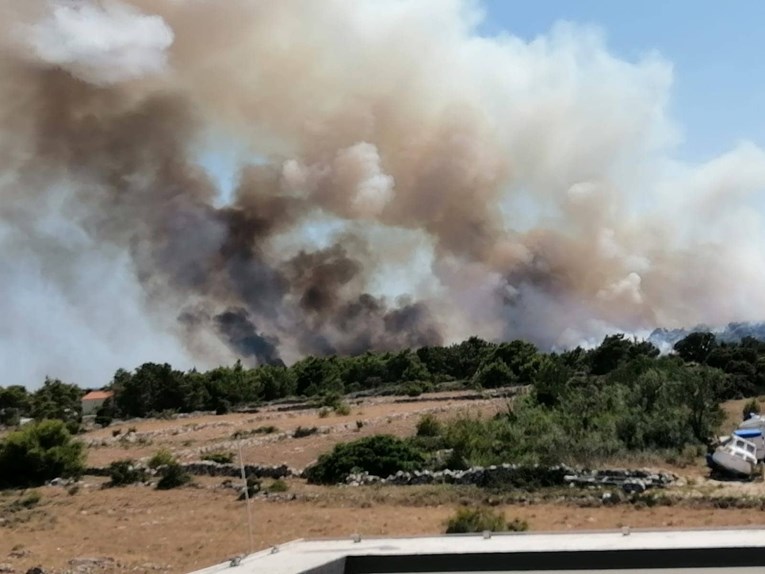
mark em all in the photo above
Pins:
pixel 399 180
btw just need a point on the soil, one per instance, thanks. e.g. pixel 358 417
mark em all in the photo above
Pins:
pixel 139 529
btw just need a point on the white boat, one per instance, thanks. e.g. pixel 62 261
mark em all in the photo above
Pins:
pixel 737 456
pixel 753 422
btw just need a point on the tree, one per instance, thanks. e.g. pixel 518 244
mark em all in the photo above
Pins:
pixel 316 375
pixel 522 358
pixel 105 414
pixel 493 375
pixel 275 382
pixel 615 350
pixel 550 380
pixel 15 402
pixel 701 390
pixel 696 347
pixel 466 357
pixel 58 400
pixel 40 452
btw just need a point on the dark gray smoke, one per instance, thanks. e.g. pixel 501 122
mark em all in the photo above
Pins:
pixel 236 326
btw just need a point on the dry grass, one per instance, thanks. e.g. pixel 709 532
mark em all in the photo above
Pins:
pixel 181 530
pixel 188 528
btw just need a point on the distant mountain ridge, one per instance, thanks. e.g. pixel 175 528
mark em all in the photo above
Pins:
pixel 731 333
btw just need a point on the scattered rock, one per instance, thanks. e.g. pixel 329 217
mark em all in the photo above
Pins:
pixel 89 565
pixel 7 569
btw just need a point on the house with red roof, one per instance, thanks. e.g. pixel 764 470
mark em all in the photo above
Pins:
pixel 93 401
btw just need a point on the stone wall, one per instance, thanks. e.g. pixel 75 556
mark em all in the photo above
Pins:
pixel 516 476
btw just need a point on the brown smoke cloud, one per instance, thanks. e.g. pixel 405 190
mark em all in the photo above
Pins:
pixel 400 181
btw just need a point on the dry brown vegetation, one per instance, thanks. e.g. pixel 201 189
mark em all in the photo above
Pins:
pixel 139 529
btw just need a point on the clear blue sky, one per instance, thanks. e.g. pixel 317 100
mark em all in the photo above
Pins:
pixel 717 50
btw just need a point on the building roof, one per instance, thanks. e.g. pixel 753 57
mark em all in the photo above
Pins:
pixel 97 395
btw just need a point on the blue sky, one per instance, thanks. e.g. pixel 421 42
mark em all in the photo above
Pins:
pixel 717 50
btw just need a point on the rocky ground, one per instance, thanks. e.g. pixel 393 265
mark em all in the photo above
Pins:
pixel 84 528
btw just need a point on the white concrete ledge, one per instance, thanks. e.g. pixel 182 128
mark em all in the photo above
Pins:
pixel 330 556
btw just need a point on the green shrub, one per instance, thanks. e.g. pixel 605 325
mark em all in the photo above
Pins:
pixel 173 475
pixel 162 457
pixel 39 452
pixel 104 420
pixel 324 412
pixel 467 520
pixel 493 375
pixel 517 525
pixel 269 429
pixel 254 486
pixel 428 425
pixel 221 457
pixel 413 390
pixel 29 500
pixel 752 407
pixel 381 455
pixel 342 409
pixel 125 472
pixel 278 485
pixel 301 432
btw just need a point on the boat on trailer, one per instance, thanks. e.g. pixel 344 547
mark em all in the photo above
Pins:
pixel 736 456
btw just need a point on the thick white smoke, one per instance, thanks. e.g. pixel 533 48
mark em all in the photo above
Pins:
pixel 511 188
pixel 102 42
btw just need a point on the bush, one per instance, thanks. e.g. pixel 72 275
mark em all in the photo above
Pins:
pixel 428 425
pixel 380 455
pixel 301 432
pixel 105 414
pixel 220 457
pixel 270 429
pixel 254 486
pixel 104 420
pixel 278 485
pixel 413 390
pixel 359 425
pixel 39 452
pixel 752 407
pixel 162 457
pixel 173 475
pixel 125 472
pixel 323 412
pixel 342 409
pixel 29 500
pixel 116 432
pixel 517 525
pixel 467 520
pixel 493 375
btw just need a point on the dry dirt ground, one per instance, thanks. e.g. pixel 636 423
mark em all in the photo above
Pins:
pixel 139 529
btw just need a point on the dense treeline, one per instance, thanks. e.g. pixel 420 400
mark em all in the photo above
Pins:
pixel 618 362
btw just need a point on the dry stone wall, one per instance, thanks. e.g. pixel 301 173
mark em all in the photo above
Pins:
pixel 516 476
